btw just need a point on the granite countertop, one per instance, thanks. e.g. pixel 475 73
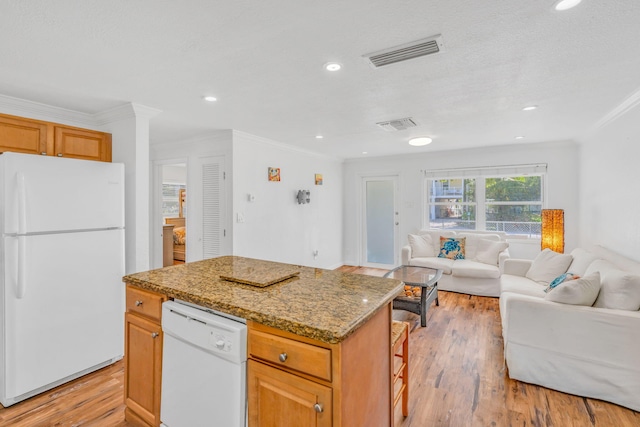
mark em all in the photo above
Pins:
pixel 325 305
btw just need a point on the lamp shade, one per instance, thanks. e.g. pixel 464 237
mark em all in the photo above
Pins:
pixel 553 230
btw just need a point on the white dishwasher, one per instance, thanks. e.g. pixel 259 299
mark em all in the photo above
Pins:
pixel 204 365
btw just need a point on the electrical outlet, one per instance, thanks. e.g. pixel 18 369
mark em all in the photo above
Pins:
pixel 239 217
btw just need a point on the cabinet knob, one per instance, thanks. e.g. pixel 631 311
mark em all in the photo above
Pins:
pixel 59 154
pixel 154 335
pixel 44 153
pixel 138 303
pixel 283 357
pixel 318 408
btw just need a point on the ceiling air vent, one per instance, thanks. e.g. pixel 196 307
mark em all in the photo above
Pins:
pixel 398 124
pixel 406 51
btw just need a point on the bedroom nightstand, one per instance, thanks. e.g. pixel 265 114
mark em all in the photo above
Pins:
pixel 167 245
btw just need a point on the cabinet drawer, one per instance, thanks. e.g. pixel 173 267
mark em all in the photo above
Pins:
pixel 145 302
pixel 298 356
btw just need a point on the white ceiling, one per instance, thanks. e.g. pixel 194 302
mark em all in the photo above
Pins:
pixel 263 60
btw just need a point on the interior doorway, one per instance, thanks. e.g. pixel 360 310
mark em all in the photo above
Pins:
pixel 174 213
pixel 380 222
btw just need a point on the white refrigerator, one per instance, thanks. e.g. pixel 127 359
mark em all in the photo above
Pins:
pixel 61 265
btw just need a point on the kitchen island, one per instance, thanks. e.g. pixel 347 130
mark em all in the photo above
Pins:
pixel 334 328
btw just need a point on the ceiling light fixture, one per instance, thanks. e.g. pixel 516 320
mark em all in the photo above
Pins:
pixel 419 141
pixel 319 136
pixel 210 98
pixel 566 4
pixel 530 108
pixel 519 137
pixel 332 66
pixel 364 152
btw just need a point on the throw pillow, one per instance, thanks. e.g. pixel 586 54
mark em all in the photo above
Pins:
pixel 489 251
pixel 421 246
pixel 547 266
pixel 583 291
pixel 560 279
pixel 620 290
pixel 452 248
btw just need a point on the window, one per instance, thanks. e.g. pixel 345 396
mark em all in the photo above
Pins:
pixel 171 200
pixel 508 199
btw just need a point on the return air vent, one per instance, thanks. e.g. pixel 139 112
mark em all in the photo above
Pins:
pixel 405 51
pixel 398 124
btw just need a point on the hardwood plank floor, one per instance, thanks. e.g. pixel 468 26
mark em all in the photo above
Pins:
pixel 457 379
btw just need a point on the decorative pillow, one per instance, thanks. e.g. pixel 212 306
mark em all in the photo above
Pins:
pixel 421 246
pixel 179 236
pixel 452 248
pixel 620 290
pixel 560 279
pixel 547 266
pixel 488 251
pixel 582 291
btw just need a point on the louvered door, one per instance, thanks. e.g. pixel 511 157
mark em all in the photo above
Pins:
pixel 212 224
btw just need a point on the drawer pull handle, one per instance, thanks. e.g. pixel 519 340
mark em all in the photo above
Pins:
pixel 318 408
pixel 59 154
pixel 283 357
pixel 138 303
pixel 154 335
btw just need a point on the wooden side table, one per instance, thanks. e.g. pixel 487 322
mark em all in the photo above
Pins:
pixel 167 245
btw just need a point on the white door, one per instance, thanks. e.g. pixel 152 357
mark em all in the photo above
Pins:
pixel 207 210
pixel 380 221
pixel 67 316
pixel 48 194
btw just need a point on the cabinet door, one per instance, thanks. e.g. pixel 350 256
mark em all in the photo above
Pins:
pixel 281 399
pixel 22 136
pixel 143 368
pixel 82 144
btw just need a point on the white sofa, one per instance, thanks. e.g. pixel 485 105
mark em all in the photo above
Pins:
pixel 588 351
pixel 477 274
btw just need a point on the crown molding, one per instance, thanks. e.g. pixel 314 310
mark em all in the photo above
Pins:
pixel 125 111
pixel 38 111
pixel 627 105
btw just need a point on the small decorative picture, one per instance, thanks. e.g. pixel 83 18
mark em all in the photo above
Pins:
pixel 274 174
pixel 318 179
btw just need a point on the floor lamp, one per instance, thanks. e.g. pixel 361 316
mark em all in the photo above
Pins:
pixel 553 230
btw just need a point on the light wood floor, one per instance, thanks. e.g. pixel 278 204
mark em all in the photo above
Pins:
pixel 457 372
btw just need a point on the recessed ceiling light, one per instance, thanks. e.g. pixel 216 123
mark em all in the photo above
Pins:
pixel 364 152
pixel 530 108
pixel 519 137
pixel 566 4
pixel 419 141
pixel 332 66
pixel 210 98
pixel 319 136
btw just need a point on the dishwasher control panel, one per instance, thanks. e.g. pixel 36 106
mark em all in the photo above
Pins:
pixel 210 332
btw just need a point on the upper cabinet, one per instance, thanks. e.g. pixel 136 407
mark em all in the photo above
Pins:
pixel 22 135
pixel 37 137
pixel 82 144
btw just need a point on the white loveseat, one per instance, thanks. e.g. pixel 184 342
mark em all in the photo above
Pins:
pixel 477 274
pixel 589 351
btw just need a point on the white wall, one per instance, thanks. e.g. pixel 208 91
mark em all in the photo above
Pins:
pixel 561 184
pixel 275 226
pixel 610 185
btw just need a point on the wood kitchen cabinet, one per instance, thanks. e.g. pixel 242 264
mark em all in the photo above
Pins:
pixel 29 136
pixel 143 357
pixel 301 382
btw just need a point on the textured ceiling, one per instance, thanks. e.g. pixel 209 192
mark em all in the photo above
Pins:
pixel 263 60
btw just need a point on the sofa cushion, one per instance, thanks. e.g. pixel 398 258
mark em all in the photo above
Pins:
pixel 583 291
pixel 421 245
pixel 469 268
pixel 488 251
pixel 443 264
pixel 473 241
pixel 548 265
pixel 435 237
pixel 601 266
pixel 620 290
pixel 452 248
pixel 521 285
pixel 581 260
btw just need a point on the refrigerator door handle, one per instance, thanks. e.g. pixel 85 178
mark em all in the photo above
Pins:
pixel 22 267
pixel 22 203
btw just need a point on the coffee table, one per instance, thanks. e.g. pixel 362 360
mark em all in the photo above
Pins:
pixel 423 277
